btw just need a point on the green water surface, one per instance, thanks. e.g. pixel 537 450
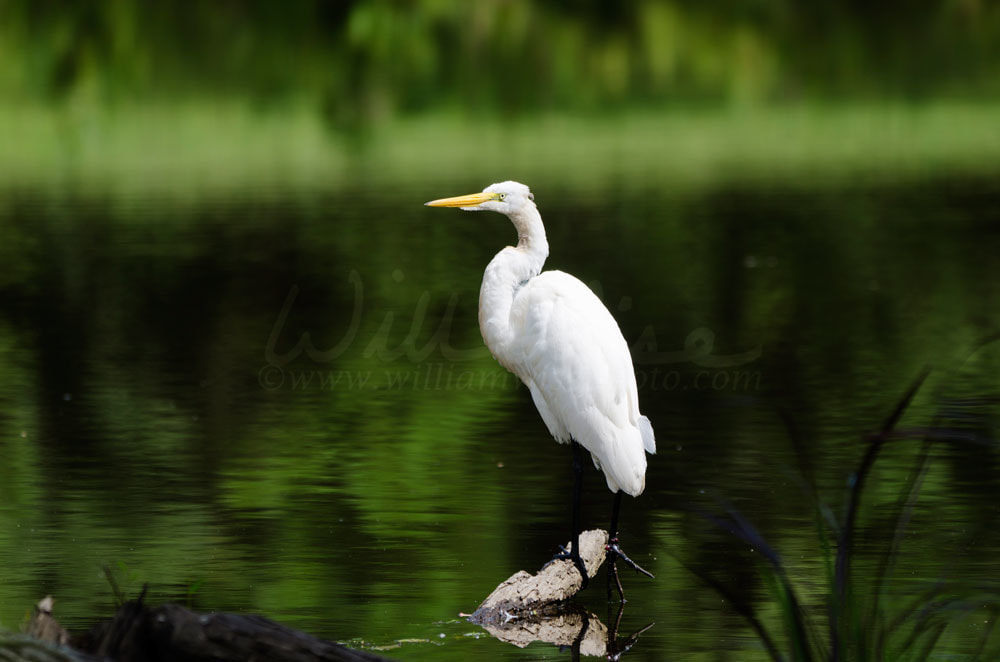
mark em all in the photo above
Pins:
pixel 275 400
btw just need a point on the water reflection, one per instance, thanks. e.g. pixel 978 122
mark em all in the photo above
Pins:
pixel 571 627
pixel 391 484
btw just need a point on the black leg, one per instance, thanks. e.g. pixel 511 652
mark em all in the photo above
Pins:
pixel 615 552
pixel 577 495
pixel 574 553
pixel 612 545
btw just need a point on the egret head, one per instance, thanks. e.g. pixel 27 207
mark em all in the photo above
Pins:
pixel 505 197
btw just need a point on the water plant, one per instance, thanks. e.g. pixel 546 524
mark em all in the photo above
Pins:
pixel 864 620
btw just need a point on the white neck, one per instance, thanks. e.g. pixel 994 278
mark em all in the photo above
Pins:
pixel 506 273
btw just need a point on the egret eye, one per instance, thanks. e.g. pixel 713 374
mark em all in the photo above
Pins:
pixel 531 196
pixel 503 195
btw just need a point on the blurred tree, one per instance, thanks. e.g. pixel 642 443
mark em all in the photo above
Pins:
pixel 361 60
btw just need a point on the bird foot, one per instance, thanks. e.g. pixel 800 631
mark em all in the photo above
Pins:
pixel 615 552
pixel 566 555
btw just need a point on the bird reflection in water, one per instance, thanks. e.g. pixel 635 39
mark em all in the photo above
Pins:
pixel 572 628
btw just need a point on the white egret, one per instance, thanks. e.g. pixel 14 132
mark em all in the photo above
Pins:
pixel 551 331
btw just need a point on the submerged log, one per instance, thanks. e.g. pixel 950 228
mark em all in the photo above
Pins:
pixel 526 596
pixel 171 633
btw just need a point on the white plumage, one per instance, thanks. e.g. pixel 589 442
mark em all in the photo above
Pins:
pixel 570 353
pixel 554 333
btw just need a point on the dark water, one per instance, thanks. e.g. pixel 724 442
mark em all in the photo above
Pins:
pixel 281 404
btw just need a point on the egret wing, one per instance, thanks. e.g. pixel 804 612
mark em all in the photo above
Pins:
pixel 574 359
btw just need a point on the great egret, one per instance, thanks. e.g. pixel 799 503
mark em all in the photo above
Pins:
pixel 551 331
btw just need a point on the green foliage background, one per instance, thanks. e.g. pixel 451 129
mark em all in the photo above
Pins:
pixel 361 60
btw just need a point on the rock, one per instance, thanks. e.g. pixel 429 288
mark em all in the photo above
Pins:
pixel 524 595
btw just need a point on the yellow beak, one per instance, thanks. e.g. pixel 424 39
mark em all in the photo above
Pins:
pixel 470 200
